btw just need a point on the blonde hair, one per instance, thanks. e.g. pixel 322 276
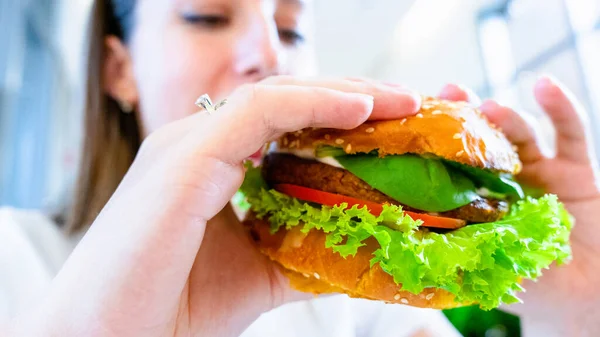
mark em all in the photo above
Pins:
pixel 111 137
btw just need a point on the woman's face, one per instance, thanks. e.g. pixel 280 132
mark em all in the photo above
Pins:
pixel 180 49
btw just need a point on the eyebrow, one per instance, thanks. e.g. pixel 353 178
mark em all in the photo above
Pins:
pixel 300 3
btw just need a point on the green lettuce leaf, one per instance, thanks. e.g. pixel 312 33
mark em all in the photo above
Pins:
pixel 480 263
pixel 501 183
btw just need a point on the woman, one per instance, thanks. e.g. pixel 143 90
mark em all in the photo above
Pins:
pixel 165 254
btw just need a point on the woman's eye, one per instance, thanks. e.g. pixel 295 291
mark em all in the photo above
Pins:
pixel 209 21
pixel 290 37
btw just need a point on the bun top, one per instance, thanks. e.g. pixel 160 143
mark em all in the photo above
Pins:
pixel 455 131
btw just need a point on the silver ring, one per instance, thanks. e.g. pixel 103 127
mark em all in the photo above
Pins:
pixel 205 103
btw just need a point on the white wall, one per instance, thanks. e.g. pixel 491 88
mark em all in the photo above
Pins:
pixel 435 44
pixel 353 35
pixel 424 43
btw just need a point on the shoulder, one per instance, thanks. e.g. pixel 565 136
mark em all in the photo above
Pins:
pixel 30 230
pixel 32 250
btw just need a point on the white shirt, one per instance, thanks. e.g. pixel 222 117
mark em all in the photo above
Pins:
pixel 32 250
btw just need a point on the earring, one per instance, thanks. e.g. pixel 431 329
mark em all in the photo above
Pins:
pixel 125 106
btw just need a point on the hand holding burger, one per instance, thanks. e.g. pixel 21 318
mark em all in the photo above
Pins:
pixel 564 301
pixel 422 210
pixel 179 261
pixel 176 260
pixel 571 174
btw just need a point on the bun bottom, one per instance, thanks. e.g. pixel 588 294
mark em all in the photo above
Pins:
pixel 312 268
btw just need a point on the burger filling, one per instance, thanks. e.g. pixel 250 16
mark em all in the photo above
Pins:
pixel 440 189
pixel 286 169
pixel 483 251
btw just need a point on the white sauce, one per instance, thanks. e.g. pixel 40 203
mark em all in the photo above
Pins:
pixel 310 154
pixel 484 192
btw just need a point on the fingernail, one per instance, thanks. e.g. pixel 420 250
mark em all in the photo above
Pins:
pixel 457 92
pixel 418 100
pixel 548 81
pixel 368 97
pixel 416 97
pixel 548 88
pixel 448 89
pixel 394 85
pixel 364 97
pixel 489 105
pixel 410 92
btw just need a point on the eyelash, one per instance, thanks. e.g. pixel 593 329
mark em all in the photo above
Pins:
pixel 287 36
pixel 290 37
pixel 209 21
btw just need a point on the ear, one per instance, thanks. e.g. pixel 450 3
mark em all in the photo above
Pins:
pixel 118 81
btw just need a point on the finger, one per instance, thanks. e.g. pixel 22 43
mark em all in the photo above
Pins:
pixel 519 128
pixel 391 102
pixel 455 92
pixel 569 119
pixel 172 132
pixel 259 113
pixel 369 80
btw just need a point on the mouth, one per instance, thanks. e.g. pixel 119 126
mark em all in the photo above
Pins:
pixel 256 155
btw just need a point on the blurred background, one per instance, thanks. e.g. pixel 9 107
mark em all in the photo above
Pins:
pixel 496 47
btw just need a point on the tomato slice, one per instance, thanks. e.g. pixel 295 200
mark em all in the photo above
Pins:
pixel 332 199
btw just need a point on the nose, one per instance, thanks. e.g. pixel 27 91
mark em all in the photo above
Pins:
pixel 259 51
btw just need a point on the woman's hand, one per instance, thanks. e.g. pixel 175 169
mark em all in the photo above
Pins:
pixel 564 302
pixel 166 256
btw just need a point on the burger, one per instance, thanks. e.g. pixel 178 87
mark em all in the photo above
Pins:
pixel 422 211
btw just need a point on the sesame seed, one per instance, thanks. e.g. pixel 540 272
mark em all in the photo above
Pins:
pixel 457 136
pixel 327 137
pixel 339 141
pixel 404 300
pixel 429 296
pixel 403 121
pixel 460 153
pixel 515 148
pixel 426 106
pixel 317 276
pixel 397 297
pixel 419 115
pixel 349 148
pixel 305 275
pixel 436 112
pixel 370 130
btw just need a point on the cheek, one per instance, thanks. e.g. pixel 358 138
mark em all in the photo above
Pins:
pixel 173 71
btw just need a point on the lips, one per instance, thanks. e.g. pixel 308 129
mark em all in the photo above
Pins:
pixel 257 155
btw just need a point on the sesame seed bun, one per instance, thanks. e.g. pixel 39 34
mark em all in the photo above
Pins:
pixel 452 130
pixel 312 268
